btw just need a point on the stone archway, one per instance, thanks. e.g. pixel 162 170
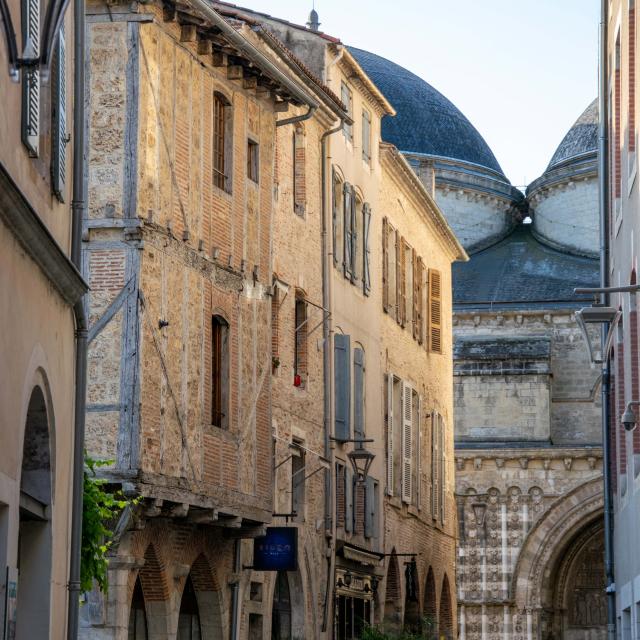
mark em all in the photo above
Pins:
pixel 549 556
pixel 393 594
pixel 35 533
pixel 156 593
pixel 445 617
pixel 208 598
pixel 412 621
pixel 430 605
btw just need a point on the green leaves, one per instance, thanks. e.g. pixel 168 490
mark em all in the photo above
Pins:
pixel 100 509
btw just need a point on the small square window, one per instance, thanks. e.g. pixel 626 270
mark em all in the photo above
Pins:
pixel 252 160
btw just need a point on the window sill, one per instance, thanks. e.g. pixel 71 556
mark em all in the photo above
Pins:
pixel 222 192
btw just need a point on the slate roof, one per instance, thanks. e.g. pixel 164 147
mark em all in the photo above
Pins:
pixel 581 138
pixel 426 121
pixel 520 272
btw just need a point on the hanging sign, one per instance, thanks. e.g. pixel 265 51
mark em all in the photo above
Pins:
pixel 277 551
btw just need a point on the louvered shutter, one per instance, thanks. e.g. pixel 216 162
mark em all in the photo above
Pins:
pixel 354 236
pixel 415 281
pixel 441 475
pixel 348 492
pixel 435 311
pixel 418 431
pixel 59 119
pixel 435 465
pixel 342 383
pixel 398 278
pixel 420 299
pixel 348 231
pixel 336 195
pixel 407 444
pixel 340 495
pixel 31 78
pixel 385 265
pixel 358 393
pixel 366 249
pixel 389 402
pixel 369 507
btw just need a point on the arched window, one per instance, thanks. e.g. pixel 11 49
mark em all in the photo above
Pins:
pixel 222 142
pixel 189 618
pixel 281 609
pixel 219 372
pixel 137 614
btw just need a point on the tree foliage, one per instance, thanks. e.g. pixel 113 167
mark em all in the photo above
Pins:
pixel 100 508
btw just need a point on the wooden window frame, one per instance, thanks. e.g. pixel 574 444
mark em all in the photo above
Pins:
pixel 220 340
pixel 221 150
pixel 253 160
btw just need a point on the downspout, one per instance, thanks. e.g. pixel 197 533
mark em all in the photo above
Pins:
pixel 295 119
pixel 234 632
pixel 603 193
pixel 78 206
pixel 329 520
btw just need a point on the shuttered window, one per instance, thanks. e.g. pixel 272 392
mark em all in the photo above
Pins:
pixel 347 100
pixel 358 393
pixel 385 265
pixel 442 462
pixel 400 280
pixel 222 143
pixel 59 118
pixel 366 136
pixel 420 277
pixel 31 78
pixel 407 442
pixel 389 423
pixel 435 311
pixel 348 230
pixel 418 432
pixel 338 252
pixel 371 508
pixel 415 298
pixel 435 457
pixel 342 386
pixel 340 494
pixel 366 254
pixel 348 491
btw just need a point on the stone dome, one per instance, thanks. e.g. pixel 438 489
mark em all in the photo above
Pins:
pixel 581 139
pixel 426 122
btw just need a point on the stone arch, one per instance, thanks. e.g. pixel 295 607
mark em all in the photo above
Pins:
pixel 430 604
pixel 393 595
pixel 549 538
pixel 35 538
pixel 445 616
pixel 207 592
pixel 412 619
pixel 156 593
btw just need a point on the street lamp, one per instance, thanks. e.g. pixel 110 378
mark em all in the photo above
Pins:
pixel 598 314
pixel 28 58
pixel 361 460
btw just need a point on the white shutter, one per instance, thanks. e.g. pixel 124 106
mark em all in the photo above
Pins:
pixel 59 119
pixel 442 478
pixel 407 452
pixel 435 492
pixel 31 78
pixel 389 434
pixel 419 454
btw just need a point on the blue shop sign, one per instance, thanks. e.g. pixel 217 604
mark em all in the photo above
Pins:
pixel 277 551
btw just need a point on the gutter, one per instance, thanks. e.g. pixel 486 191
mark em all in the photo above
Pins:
pixel 329 520
pixel 603 197
pixel 203 7
pixel 78 207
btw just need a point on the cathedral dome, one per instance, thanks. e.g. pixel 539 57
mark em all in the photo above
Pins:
pixel 564 200
pixel 581 139
pixel 426 123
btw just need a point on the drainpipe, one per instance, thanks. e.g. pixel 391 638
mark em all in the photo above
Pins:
pixel 603 184
pixel 78 206
pixel 329 520
pixel 234 632
pixel 296 119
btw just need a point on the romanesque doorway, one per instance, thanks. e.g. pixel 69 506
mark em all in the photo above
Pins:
pixel 137 615
pixel 35 535
pixel 580 608
pixel 189 617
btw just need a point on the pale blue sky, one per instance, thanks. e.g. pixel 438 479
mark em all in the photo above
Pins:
pixel 521 70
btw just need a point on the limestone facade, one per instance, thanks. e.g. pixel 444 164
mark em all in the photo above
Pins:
pixel 39 287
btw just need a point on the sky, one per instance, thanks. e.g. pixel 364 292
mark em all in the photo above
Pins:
pixel 522 71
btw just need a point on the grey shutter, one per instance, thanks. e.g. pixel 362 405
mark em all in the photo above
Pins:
pixel 348 502
pixel 358 393
pixel 31 78
pixel 370 507
pixel 435 464
pixel 385 265
pixel 342 386
pixel 335 199
pixel 354 236
pixel 59 120
pixel 442 477
pixel 348 231
pixel 366 250
pixel 418 421
pixel 407 453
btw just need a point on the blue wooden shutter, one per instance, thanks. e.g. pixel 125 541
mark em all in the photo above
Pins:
pixel 354 236
pixel 366 251
pixel 348 231
pixel 358 393
pixel 31 78
pixel 342 386
pixel 348 502
pixel 59 119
